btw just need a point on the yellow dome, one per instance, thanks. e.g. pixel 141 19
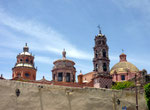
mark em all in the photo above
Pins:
pixel 124 67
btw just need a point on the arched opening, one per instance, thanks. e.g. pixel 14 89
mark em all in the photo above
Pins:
pixel 20 60
pixel 68 77
pixel 96 54
pixel 60 76
pixel 104 67
pixel 103 42
pixel 27 60
pixel 104 53
pixel 18 75
pixel 96 67
pixel 99 42
pixel 122 77
pixel 27 75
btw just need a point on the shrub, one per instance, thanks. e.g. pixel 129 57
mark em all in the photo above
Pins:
pixel 147 94
pixel 123 85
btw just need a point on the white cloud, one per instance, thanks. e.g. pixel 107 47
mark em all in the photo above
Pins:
pixel 42 38
pixel 42 59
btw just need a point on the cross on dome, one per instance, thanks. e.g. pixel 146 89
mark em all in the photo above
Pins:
pixel 99 27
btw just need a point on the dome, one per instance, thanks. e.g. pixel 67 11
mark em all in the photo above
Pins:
pixel 63 63
pixel 123 66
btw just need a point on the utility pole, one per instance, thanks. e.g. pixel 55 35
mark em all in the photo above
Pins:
pixel 136 91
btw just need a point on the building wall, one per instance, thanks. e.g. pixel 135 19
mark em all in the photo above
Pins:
pixel 50 97
pixel 88 77
pixel 102 82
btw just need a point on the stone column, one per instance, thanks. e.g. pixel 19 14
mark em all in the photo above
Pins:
pixel 56 76
pixel 64 76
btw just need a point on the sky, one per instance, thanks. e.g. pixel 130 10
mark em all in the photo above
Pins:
pixel 49 26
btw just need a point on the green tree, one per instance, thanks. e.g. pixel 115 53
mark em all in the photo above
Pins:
pixel 123 85
pixel 147 94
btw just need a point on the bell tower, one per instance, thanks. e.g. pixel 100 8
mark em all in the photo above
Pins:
pixel 101 59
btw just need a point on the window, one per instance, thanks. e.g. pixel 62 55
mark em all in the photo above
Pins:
pixel 122 77
pixel 99 42
pixel 27 60
pixel 96 53
pixel 104 53
pixel 21 60
pixel 60 76
pixel 19 75
pixel 27 74
pixel 103 42
pixel 104 67
pixel 96 67
pixel 31 61
pixel 68 77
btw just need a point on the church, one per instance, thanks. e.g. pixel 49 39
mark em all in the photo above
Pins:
pixel 64 71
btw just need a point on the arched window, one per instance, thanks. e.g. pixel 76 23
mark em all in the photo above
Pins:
pixel 104 53
pixel 96 54
pixel 19 75
pixel 104 67
pixel 68 77
pixel 103 42
pixel 31 61
pixel 122 77
pixel 60 76
pixel 27 75
pixel 99 42
pixel 27 60
pixel 96 67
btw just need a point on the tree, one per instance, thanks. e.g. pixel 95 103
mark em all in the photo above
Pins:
pixel 123 85
pixel 147 94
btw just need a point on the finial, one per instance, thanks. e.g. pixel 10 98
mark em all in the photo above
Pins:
pixel 1 75
pixel 80 72
pixel 64 54
pixel 25 48
pixel 43 77
pixel 99 27
pixel 122 50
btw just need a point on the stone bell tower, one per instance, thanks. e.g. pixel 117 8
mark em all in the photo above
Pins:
pixel 101 59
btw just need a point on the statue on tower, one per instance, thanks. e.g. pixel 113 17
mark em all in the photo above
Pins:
pixel 64 54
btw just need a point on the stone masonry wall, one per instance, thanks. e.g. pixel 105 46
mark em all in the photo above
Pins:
pixel 50 97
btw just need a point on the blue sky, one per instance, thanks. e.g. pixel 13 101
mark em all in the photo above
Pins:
pixel 48 26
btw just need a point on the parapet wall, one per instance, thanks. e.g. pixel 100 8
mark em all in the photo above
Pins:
pixel 51 97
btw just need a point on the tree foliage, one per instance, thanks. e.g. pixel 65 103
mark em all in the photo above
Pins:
pixel 147 94
pixel 122 85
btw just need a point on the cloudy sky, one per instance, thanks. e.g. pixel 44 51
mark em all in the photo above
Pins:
pixel 48 26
